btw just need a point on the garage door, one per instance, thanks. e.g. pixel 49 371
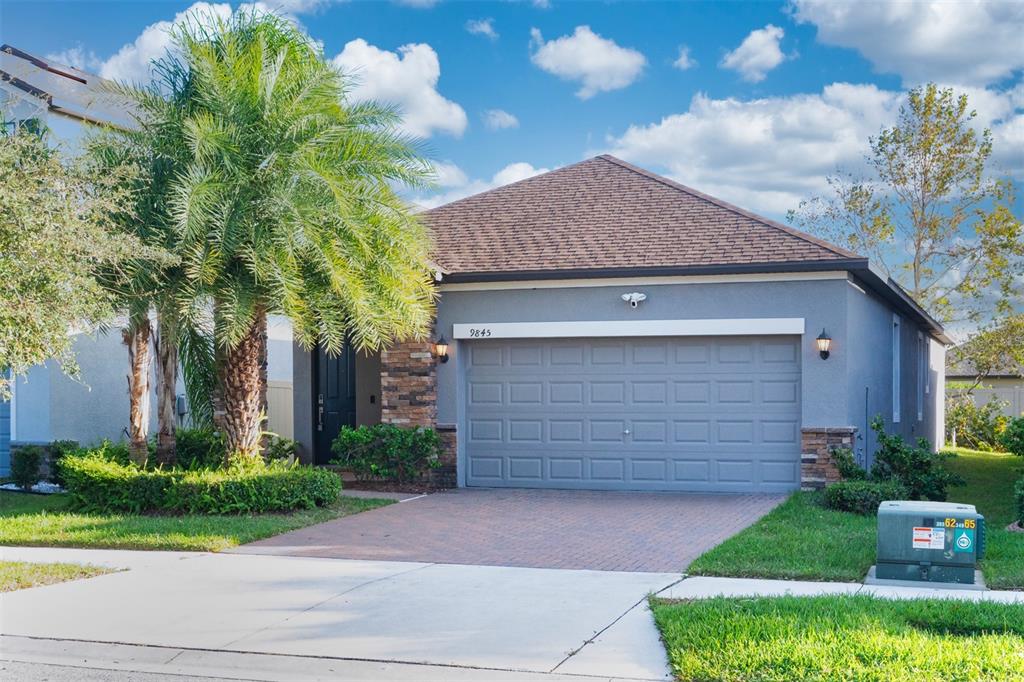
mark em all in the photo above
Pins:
pixel 693 413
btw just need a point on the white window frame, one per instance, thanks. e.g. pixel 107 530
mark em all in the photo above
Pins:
pixel 897 324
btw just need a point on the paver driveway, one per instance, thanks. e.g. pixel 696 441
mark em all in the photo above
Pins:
pixel 608 531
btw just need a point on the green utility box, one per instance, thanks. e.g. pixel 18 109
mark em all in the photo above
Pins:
pixel 929 541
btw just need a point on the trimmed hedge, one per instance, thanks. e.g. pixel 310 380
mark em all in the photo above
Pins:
pixel 97 484
pixel 1013 437
pixel 862 497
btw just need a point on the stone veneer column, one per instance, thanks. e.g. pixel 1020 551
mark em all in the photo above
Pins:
pixel 408 385
pixel 408 397
pixel 816 466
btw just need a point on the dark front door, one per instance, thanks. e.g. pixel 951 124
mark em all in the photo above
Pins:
pixel 334 399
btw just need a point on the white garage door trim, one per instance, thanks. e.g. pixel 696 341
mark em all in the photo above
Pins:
pixel 615 328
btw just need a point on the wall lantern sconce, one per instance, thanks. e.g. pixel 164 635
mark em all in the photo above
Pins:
pixel 441 349
pixel 824 342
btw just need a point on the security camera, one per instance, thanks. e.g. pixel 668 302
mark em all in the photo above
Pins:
pixel 634 299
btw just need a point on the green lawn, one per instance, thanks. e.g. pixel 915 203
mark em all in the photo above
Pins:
pixel 37 520
pixel 17 575
pixel 801 540
pixel 842 638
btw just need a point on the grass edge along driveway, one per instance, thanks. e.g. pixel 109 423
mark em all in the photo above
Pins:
pixel 18 575
pixel 841 638
pixel 45 521
pixel 801 540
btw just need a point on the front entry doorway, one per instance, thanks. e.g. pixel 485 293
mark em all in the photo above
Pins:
pixel 334 398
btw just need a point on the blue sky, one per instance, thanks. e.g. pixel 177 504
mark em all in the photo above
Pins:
pixel 770 97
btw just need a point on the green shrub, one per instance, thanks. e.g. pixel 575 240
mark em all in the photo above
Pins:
pixel 1018 494
pixel 199 449
pixel 917 468
pixel 59 449
pixel 387 452
pixel 96 484
pixel 862 497
pixel 847 465
pixel 280 449
pixel 1012 438
pixel 25 465
pixel 972 426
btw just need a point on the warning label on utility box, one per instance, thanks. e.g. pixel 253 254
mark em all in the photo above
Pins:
pixel 929 538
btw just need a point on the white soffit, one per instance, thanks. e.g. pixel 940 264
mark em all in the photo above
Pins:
pixel 597 328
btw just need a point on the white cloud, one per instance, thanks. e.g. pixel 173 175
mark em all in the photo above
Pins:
pixel 447 174
pixel 498 119
pixel 684 61
pixel 967 42
pixel 482 27
pixel 758 54
pixel 598 63
pixel 77 57
pixel 513 172
pixel 132 62
pixel 542 4
pixel 767 154
pixel 418 4
pixel 407 78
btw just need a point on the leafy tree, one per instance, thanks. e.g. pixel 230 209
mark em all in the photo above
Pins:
pixel 284 202
pixel 56 232
pixel 930 214
pixel 998 349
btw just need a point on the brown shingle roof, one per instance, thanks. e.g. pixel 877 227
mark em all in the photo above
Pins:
pixel 606 214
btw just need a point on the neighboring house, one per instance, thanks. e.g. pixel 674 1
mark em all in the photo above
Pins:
pixel 48 406
pixel 610 329
pixel 1006 387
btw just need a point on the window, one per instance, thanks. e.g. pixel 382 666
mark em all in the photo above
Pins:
pixel 922 373
pixel 896 324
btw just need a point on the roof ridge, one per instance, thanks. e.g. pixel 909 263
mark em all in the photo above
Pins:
pixel 509 184
pixel 729 207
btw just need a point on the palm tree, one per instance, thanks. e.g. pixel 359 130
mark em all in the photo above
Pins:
pixel 285 202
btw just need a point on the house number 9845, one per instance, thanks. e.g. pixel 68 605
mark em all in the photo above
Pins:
pixel 481 333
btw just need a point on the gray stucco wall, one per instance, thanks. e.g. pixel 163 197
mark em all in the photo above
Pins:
pixel 833 390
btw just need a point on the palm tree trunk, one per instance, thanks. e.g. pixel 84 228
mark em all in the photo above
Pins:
pixel 136 337
pixel 237 410
pixel 166 344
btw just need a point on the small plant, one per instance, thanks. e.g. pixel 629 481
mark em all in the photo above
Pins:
pixel 199 449
pixel 280 449
pixel 847 465
pixel 1012 438
pixel 862 497
pixel 917 468
pixel 1018 495
pixel 387 452
pixel 59 449
pixel 25 465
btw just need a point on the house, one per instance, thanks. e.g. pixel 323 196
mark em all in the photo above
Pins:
pixel 47 405
pixel 1006 386
pixel 607 328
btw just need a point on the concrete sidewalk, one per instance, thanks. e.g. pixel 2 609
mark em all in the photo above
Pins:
pixel 285 618
pixel 359 615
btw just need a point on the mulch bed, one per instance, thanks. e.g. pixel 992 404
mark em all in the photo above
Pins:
pixel 389 487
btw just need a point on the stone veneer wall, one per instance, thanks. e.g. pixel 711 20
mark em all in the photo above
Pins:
pixel 816 466
pixel 408 397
